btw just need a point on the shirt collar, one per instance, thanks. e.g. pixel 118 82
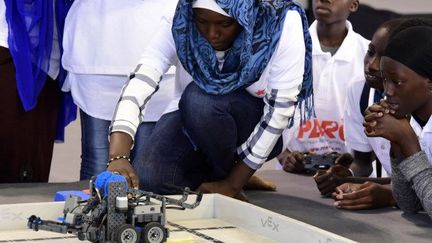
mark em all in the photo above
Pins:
pixel 345 51
pixel 418 129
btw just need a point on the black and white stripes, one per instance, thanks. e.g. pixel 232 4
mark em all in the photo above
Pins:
pixel 135 94
pixel 279 108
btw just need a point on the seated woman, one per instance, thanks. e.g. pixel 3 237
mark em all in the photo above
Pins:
pixel 242 67
pixel 407 74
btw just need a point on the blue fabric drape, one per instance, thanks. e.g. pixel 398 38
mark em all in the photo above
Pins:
pixel 30 40
pixel 68 109
pixel 262 23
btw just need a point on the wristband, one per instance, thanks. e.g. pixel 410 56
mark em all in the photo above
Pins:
pixel 117 158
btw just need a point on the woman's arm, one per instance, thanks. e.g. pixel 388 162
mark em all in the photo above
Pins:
pixel 284 82
pixel 159 55
pixel 411 170
pixel 412 183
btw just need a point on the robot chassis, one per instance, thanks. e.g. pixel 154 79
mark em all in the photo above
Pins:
pixel 124 215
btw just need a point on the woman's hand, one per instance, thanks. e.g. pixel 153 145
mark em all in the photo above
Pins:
pixel 383 124
pixel 258 183
pixel 232 185
pixel 328 180
pixel 120 145
pixel 363 196
pixel 292 161
pixel 379 122
pixel 223 187
pixel 380 106
pixel 124 168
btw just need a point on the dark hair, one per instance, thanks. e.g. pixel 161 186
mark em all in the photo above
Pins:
pixel 408 23
pixel 391 25
pixel 412 47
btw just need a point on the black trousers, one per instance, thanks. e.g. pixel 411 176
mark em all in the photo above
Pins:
pixel 26 138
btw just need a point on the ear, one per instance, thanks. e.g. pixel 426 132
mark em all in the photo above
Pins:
pixel 354 6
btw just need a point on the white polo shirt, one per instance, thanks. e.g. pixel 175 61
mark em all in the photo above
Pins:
pixel 331 78
pixel 355 137
pixel 424 135
pixel 3 25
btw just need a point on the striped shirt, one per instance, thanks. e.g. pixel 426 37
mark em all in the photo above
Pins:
pixel 278 85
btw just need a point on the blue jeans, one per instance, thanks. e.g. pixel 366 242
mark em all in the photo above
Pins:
pixel 95 145
pixel 199 142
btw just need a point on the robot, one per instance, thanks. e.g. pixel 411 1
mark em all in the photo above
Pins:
pixel 116 213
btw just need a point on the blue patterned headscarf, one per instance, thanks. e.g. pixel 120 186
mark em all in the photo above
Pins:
pixel 30 40
pixel 262 23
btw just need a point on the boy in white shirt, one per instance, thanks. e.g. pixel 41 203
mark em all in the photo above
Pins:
pixel 337 56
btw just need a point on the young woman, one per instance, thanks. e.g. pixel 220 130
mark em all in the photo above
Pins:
pixel 242 66
pixel 373 192
pixel 370 193
pixel 405 67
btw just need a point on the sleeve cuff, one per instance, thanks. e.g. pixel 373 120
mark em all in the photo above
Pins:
pixel 124 129
pixel 250 160
pixel 251 164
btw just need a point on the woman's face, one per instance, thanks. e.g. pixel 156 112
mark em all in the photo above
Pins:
pixel 373 57
pixel 219 30
pixel 406 91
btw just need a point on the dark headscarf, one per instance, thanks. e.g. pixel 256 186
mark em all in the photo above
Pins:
pixel 413 48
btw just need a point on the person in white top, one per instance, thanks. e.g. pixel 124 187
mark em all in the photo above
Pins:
pixel 239 89
pixel 337 56
pixel 367 192
pixel 34 111
pixel 103 41
pixel 406 71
